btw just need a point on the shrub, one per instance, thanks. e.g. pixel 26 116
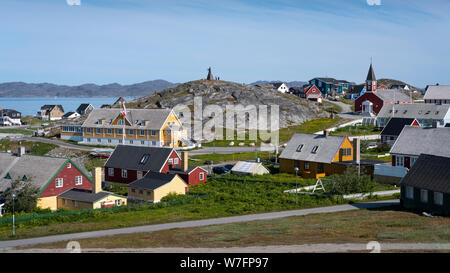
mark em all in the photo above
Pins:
pixel 349 182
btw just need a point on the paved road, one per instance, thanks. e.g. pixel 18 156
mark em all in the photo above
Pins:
pixel 224 150
pixel 199 223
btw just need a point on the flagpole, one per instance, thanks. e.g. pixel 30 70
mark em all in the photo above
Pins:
pixel 123 119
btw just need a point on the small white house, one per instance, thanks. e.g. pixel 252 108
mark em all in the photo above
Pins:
pixel 281 87
pixel 70 115
pixel 1 209
pixel 249 168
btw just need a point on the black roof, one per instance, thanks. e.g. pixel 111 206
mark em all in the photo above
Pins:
pixel 430 172
pixel 371 74
pixel 180 170
pixel 8 112
pixel 153 180
pixel 138 158
pixel 82 107
pixel 277 84
pixel 395 126
pixel 83 195
pixel 68 114
pixel 51 106
pixel 447 125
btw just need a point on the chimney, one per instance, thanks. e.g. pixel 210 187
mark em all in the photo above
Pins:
pixel 21 151
pixel 325 132
pixel 356 150
pixel 185 161
pixel 96 180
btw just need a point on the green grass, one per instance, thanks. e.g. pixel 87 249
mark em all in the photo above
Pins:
pixel 356 130
pixel 91 163
pixel 225 197
pixel 199 160
pixel 285 134
pixel 34 148
pixel 15 131
pixel 386 225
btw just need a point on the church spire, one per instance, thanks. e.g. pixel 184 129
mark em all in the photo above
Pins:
pixel 371 81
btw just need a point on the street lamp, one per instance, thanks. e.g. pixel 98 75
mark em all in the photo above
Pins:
pixel 13 220
pixel 296 187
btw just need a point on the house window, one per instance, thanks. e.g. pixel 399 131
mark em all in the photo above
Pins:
pixel 149 192
pixel 88 130
pixel 307 166
pixel 120 141
pixel 153 133
pixel 438 198
pixel 78 180
pixel 133 190
pixel 153 143
pixel 59 182
pixel 423 196
pixel 119 132
pixel 175 161
pixel 413 160
pixel 74 203
pixel 118 202
pixel 88 140
pixel 109 140
pixel 111 171
pixel 201 176
pixel 130 132
pixel 120 122
pixel 109 131
pixel 69 165
pixel 299 148
pixel 131 141
pixel 64 202
pixel 409 192
pixel 170 161
pixel 320 168
pixel 99 131
pixel 99 140
pixel 142 142
pixel 314 149
pixel 124 173
pixel 142 132
pixel 144 159
pixel 141 192
pixel 399 161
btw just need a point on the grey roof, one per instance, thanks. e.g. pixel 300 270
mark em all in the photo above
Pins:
pixel 414 110
pixel 371 74
pixel 84 195
pixel 153 180
pixel 430 173
pixel 415 140
pixel 129 157
pixel 439 92
pixel 155 118
pixel 328 147
pixel 38 169
pixel 392 95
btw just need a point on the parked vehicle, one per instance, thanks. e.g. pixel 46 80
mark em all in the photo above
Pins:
pixel 221 170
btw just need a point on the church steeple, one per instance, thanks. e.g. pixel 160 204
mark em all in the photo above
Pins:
pixel 371 81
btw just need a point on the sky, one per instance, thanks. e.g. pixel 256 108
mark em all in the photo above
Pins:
pixel 129 41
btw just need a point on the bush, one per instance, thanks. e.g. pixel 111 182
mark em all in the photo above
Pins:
pixel 349 182
pixel 382 148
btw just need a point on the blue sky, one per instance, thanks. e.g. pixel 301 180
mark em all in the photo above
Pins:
pixel 130 41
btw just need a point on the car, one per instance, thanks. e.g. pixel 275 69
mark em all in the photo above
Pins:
pixel 229 166
pixel 220 170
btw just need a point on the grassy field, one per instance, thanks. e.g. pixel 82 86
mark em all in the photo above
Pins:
pixel 35 148
pixel 387 225
pixel 198 160
pixel 356 130
pixel 285 134
pixel 15 131
pixel 224 198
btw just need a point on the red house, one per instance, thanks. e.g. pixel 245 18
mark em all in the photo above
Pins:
pixel 373 100
pixel 130 163
pixel 52 175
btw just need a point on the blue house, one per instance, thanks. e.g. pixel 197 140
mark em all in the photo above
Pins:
pixel 329 85
pixel 355 91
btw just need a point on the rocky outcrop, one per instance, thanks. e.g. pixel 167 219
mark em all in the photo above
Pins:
pixel 292 109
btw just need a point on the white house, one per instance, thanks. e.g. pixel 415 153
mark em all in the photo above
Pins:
pixel 281 87
pixel 9 117
pixel 70 115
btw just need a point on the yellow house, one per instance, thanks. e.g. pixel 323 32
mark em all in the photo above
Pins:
pixel 154 186
pixel 314 155
pixel 96 198
pixel 139 127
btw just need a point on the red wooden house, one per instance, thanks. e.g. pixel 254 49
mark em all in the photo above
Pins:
pixel 130 163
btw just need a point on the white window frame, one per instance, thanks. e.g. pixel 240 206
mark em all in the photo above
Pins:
pixel 423 196
pixel 400 161
pixel 118 202
pixel 109 131
pixel 175 161
pixel 153 132
pixel 142 132
pixel 130 132
pixel 59 182
pixel 124 173
pixel 78 180
pixel 69 165
pixel 111 171
pixel 170 161
pixel 438 198
pixel 201 176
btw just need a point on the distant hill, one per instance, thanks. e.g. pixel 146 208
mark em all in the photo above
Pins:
pixel 21 89
pixel 292 109
pixel 289 84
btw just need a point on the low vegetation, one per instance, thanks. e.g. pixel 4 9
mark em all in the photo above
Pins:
pixel 356 130
pixel 222 196
pixel 198 160
pixel 31 147
pixel 15 131
pixel 386 225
